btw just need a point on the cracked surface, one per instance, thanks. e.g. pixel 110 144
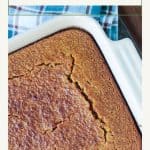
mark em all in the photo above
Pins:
pixel 62 96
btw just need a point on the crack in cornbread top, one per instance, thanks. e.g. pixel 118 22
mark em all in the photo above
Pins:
pixel 62 96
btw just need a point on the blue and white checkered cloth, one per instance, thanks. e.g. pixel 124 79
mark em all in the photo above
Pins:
pixel 23 18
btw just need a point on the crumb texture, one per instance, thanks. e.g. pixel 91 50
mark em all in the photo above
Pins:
pixel 62 96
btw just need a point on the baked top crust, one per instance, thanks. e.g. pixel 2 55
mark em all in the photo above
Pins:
pixel 62 95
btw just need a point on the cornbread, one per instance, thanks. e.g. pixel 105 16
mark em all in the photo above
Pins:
pixel 62 96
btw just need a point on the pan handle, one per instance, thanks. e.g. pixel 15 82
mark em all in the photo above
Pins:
pixel 128 75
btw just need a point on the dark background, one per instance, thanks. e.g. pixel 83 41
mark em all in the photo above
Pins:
pixel 130 25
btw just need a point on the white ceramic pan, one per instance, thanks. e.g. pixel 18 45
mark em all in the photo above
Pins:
pixel 121 56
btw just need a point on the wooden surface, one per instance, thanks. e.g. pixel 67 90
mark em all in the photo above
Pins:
pixel 132 17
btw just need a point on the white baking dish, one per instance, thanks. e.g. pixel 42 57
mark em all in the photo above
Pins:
pixel 121 56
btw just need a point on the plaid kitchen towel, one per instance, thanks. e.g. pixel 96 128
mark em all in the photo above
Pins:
pixel 23 18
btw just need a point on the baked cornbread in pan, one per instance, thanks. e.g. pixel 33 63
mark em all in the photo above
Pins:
pixel 63 96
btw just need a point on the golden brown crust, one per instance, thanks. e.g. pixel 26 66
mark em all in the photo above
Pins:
pixel 63 96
